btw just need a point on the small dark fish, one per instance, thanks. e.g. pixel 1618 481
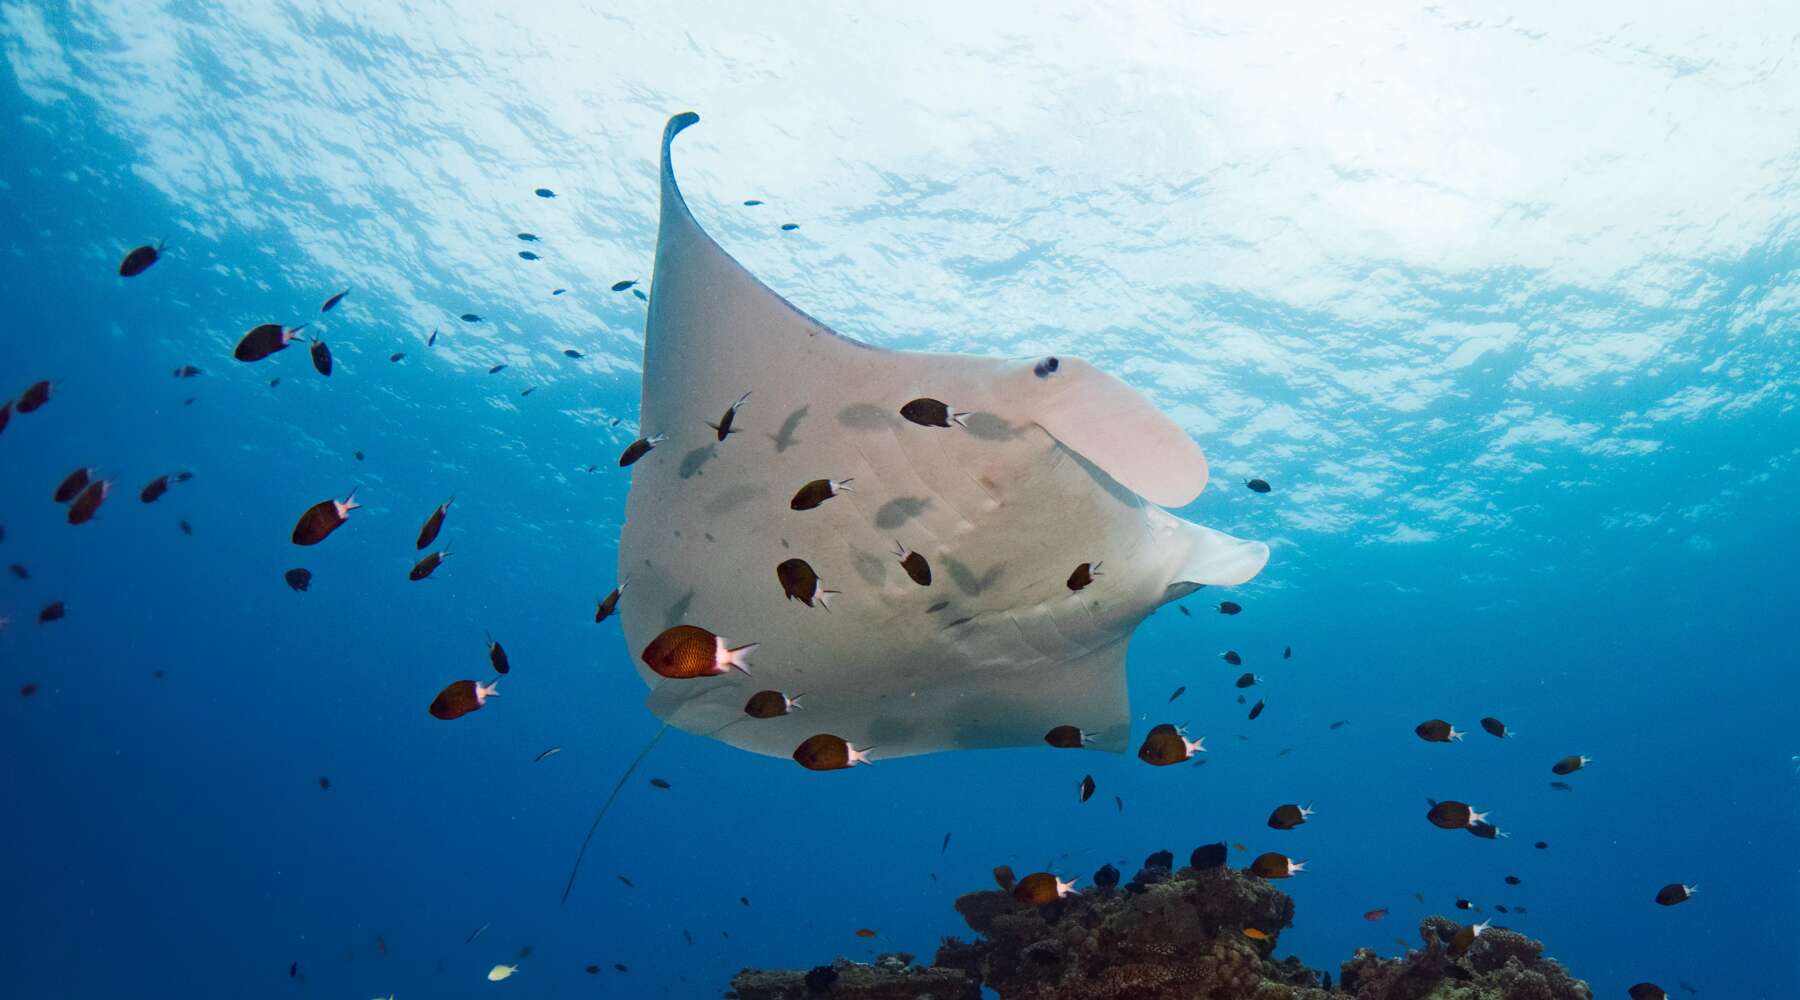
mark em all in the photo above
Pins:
pixel 186 528
pixel 1648 991
pixel 544 193
pixel 1041 889
pixel 1542 845
pixel 1674 893
pixel 1067 738
pixel 27 689
pixel 275 381
pixel 497 369
pixel 629 884
pixel 1570 764
pixel 1087 788
pixel 800 583
pixel 818 491
pixel 659 783
pixel 1512 880
pixel 1486 831
pixel 825 752
pixel 1119 802
pixel 723 427
pixel 744 900
pixel 928 412
pixel 293 969
pixel 54 611
pixel 1178 692
pixel 788 227
pixel 397 356
pixel 1375 914
pixel 298 579
pixel 1229 607
pixel 1494 727
pixel 6 409
pixel 428 565
pixel 641 297
pixel 461 698
pixel 604 609
pixel 571 352
pixel 1273 865
pixel 1463 904
pixel 617 965
pixel 945 846
pixel 323 518
pixel 1256 709
pixel 154 491
pixel 553 751
pixel 431 341
pixel 1289 816
pixel 1501 908
pixel 321 357
pixel 1231 656
pixel 528 237
pixel 619 286
pixel 470 318
pixel 527 255
pixel 1257 485
pixel 1183 609
pixel 1437 731
pixel 187 371
pixel 324 783
pixel 558 291
pixel 497 656
pixel 1451 815
pixel 139 260
pixel 331 303
pixel 1462 939
pixel 72 485
pixel 1287 652
pixel 189 401
pixel 85 505
pixel 1248 680
pixel 1562 786
pixel 638 449
pixel 34 397
pixel 1084 574
pixel 528 391
pixel 751 202
pixel 1162 748
pixel 770 705
pixel 683 652
pixel 261 341
pixel 914 564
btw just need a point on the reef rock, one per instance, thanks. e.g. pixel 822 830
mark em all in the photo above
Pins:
pixel 1172 936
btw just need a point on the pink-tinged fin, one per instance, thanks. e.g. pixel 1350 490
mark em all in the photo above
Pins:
pixel 1114 427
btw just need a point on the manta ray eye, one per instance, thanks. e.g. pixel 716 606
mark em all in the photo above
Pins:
pixel 1047 367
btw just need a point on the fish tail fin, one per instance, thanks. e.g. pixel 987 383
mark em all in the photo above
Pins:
pixel 739 658
pixel 957 418
pixel 824 598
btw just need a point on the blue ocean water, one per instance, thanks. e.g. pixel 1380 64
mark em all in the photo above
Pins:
pixel 1515 348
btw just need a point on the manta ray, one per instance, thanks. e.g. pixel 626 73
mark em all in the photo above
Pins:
pixel 1050 463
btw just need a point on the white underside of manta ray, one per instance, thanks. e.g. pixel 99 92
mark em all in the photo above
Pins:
pixel 1059 464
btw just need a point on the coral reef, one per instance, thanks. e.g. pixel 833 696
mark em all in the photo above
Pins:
pixel 1194 934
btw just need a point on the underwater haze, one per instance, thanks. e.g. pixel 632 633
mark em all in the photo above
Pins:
pixel 1503 306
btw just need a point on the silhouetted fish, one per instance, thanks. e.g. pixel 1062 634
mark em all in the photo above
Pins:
pixel 139 260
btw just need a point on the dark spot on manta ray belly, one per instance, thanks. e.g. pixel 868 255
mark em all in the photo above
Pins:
pixel 1046 367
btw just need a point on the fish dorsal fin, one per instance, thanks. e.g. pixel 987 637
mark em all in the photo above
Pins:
pixel 1119 431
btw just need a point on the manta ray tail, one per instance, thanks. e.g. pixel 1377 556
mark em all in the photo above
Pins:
pixel 604 806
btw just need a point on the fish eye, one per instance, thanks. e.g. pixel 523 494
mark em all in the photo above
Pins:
pixel 1047 367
